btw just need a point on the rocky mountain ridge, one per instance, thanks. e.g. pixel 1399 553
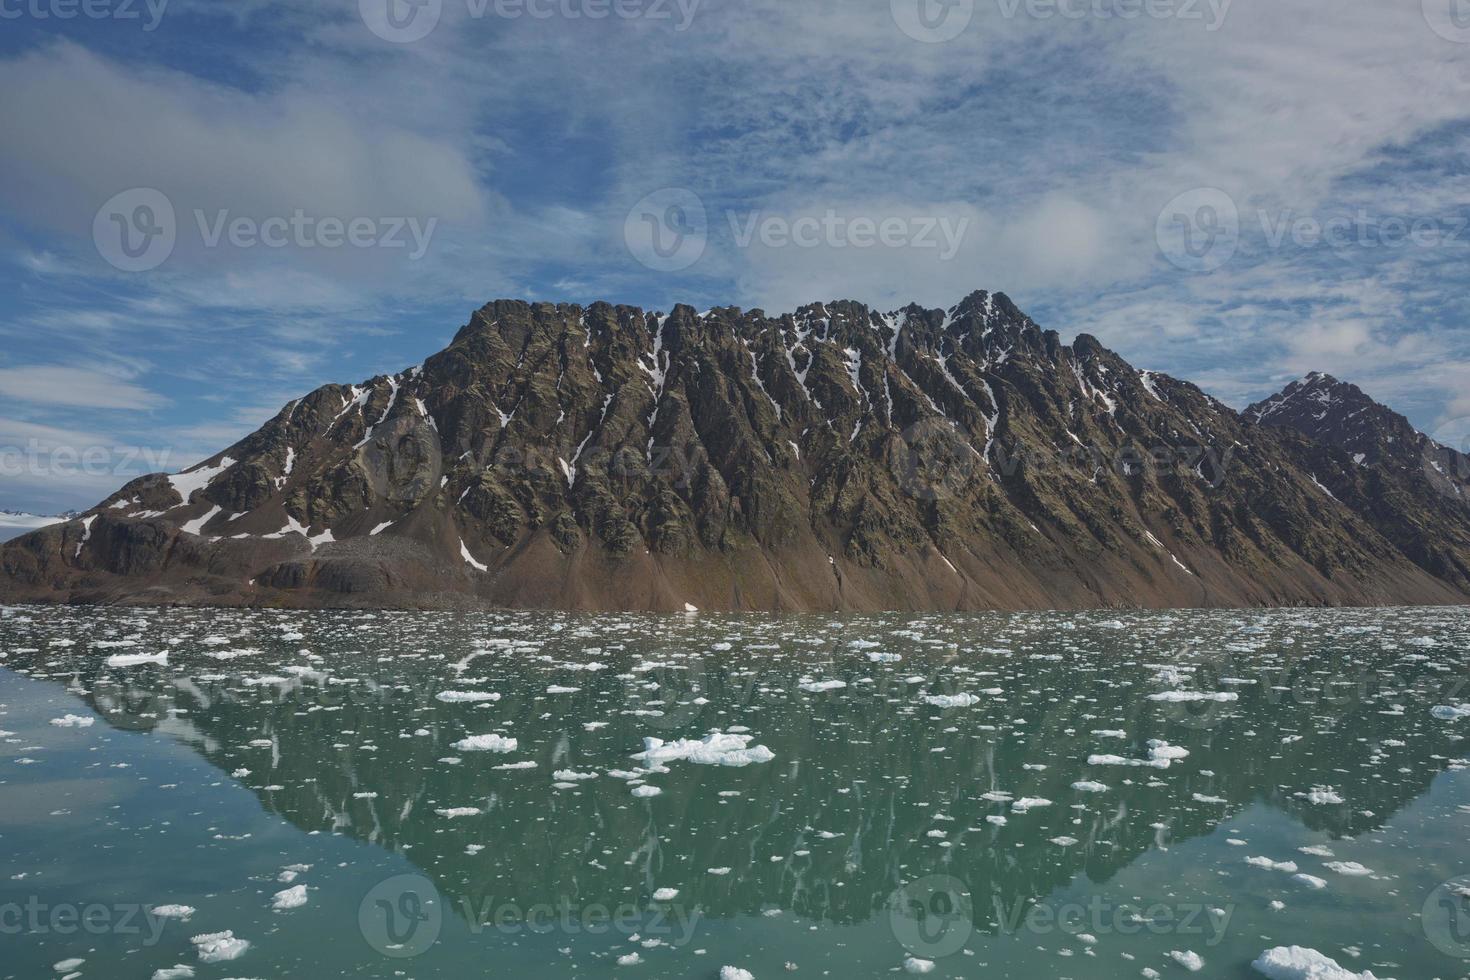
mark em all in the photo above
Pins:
pixel 832 458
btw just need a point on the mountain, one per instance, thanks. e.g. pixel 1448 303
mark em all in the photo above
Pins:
pixel 1369 457
pixel 832 458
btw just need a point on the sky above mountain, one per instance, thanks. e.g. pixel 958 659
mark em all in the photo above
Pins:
pixel 207 209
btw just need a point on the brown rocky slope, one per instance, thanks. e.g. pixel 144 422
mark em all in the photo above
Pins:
pixel 834 458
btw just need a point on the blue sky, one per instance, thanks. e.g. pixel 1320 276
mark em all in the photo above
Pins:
pixel 1055 150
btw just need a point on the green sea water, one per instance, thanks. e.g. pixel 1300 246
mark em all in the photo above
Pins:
pixel 431 795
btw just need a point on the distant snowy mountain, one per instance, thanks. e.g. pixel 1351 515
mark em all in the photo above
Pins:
pixel 14 524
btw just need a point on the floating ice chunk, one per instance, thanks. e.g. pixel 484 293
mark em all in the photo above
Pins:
pixel 66 966
pixel 569 776
pixel 1302 963
pixel 1323 796
pixel 715 749
pixel 1270 865
pixel 951 700
pixel 1188 959
pixel 817 687
pixel 912 964
pixel 1311 881
pixel 1028 803
pixel 454 812
pixel 1205 798
pixel 179 971
pixel 559 689
pixel 219 947
pixel 289 898
pixel 735 973
pixel 515 765
pixel 629 959
pixel 181 912
pixel 884 658
pixel 485 743
pixel 73 721
pixel 645 791
pixel 1317 850
pixel 1063 841
pixel 457 697
pixel 137 659
pixel 1180 696
pixel 1352 869
pixel 666 894
pixel 1445 712
pixel 1088 786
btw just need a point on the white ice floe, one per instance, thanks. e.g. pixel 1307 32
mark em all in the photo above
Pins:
pixel 457 697
pixel 715 749
pixel 136 659
pixel 1303 963
pixel 181 912
pixel 1351 869
pixel 485 743
pixel 817 687
pixel 1188 959
pixel 1088 786
pixel 1311 881
pixel 455 812
pixel 666 894
pixel 645 791
pixel 912 964
pixel 1182 696
pixel 73 721
pixel 219 947
pixel 1447 712
pixel 735 973
pixel 1264 862
pixel 951 700
pixel 289 898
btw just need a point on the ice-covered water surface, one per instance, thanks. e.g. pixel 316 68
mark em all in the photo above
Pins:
pixel 262 794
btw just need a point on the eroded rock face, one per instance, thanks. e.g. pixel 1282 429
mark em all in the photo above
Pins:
pixel 834 458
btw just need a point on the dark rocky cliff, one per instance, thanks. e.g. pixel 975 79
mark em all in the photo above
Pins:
pixel 834 458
